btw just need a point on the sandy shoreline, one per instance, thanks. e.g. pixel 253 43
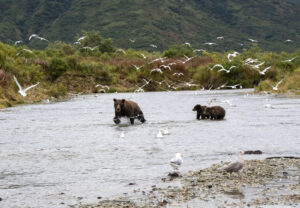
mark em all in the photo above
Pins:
pixel 267 182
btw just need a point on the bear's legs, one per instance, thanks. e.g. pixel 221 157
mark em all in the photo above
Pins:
pixel 198 115
pixel 117 120
pixel 132 120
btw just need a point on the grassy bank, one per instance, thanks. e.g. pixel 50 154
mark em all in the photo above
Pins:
pixel 64 68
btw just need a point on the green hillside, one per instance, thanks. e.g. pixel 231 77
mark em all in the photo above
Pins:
pixel 158 22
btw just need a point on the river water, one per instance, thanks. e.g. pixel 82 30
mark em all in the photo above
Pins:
pixel 66 153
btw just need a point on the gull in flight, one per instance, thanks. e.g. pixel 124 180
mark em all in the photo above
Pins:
pixel 29 51
pixel 187 59
pixel 252 40
pixel 176 161
pixel 198 50
pixel 87 47
pixel 159 134
pixel 160 83
pixel 234 54
pixel 102 86
pixel 257 66
pixel 137 67
pixel 251 61
pixel 288 40
pixel 189 84
pixel 187 44
pixel 233 86
pixel 76 43
pixel 165 67
pixel 290 60
pixel 21 91
pixel 210 44
pixel 233 166
pixel 222 86
pixel 156 70
pixel 216 65
pixel 276 86
pixel 81 38
pixel 144 57
pixel 36 36
pixel 153 46
pixel 121 50
pixel 132 40
pixel 178 74
pixel 263 71
pixel 162 60
pixel 220 38
pixel 222 68
pixel 18 42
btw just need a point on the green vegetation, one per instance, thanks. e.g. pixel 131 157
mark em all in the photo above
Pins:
pixel 64 68
pixel 162 23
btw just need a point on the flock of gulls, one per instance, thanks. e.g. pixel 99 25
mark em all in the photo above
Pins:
pixel 165 64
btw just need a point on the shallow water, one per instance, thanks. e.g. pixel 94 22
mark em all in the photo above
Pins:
pixel 54 153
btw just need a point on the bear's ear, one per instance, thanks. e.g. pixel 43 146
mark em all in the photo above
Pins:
pixel 115 99
pixel 123 101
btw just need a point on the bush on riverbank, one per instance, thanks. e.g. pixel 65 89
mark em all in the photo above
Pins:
pixel 63 68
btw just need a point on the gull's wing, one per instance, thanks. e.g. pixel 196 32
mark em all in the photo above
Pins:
pixel 18 84
pixel 28 88
pixel 278 83
pixel 266 69
pixel 176 161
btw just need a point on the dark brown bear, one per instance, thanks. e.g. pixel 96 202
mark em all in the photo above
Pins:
pixel 127 108
pixel 200 110
pixel 214 112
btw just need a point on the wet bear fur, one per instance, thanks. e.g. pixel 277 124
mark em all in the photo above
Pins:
pixel 200 111
pixel 215 112
pixel 127 108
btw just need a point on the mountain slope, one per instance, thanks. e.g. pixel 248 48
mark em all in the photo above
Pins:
pixel 159 22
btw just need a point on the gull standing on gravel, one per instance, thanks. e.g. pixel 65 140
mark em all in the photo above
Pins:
pixel 176 161
pixel 233 166
pixel 21 91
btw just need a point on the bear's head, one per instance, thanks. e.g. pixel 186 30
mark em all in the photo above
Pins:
pixel 197 108
pixel 119 104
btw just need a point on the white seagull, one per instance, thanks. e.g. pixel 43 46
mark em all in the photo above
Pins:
pixel 21 91
pixel 122 135
pixel 29 51
pixel 220 38
pixel 144 57
pixel 137 67
pixel 288 41
pixel 81 38
pixel 18 42
pixel 121 50
pixel 176 161
pixel 234 54
pixel 290 60
pixel 156 70
pixel 132 40
pixel 263 71
pixel 276 86
pixel 178 74
pixel 210 44
pixel 198 50
pixel 153 46
pixel 187 44
pixel 159 134
pixel 252 40
pixel 102 86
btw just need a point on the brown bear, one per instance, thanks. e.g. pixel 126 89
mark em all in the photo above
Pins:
pixel 127 108
pixel 214 112
pixel 200 110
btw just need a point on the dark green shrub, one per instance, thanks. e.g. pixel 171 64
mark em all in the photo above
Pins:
pixel 57 67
